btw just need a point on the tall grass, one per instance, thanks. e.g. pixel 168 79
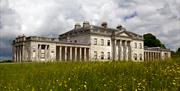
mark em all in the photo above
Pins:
pixel 91 76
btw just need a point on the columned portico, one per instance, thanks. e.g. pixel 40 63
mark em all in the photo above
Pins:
pixel 123 50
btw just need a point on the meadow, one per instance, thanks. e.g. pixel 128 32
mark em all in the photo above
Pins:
pixel 91 76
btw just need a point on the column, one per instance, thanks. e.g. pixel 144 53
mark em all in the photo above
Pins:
pixel 60 53
pixel 20 53
pixel 23 53
pixel 17 54
pixel 39 52
pixel 65 53
pixel 45 52
pixel 151 57
pixel 75 54
pixel 80 54
pixel 85 54
pixel 124 51
pixel 114 50
pixel 119 50
pixel 14 53
pixel 156 56
pixel 127 50
pixel 70 54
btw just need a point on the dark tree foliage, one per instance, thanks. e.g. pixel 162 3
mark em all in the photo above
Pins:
pixel 151 41
pixel 176 54
pixel 178 50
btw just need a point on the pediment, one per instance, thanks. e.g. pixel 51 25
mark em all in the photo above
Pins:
pixel 123 34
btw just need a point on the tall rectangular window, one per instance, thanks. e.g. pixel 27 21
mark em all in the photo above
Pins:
pixel 95 54
pixel 95 41
pixel 108 43
pixel 140 45
pixel 102 55
pixel 102 42
pixel 135 45
pixel 109 55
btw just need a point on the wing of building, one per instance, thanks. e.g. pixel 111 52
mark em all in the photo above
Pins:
pixel 87 43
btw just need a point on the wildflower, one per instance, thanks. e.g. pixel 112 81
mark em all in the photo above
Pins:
pixel 60 84
pixel 65 85
pixel 85 86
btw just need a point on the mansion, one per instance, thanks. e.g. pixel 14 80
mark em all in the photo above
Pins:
pixel 87 42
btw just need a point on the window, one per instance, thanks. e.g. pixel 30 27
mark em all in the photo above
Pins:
pixel 140 56
pixel 108 43
pixel 135 56
pixel 102 42
pixel 75 41
pixel 102 55
pixel 135 45
pixel 140 45
pixel 43 46
pixel 109 55
pixel 95 54
pixel 42 55
pixel 95 41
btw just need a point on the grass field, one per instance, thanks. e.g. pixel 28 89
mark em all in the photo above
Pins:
pixel 91 76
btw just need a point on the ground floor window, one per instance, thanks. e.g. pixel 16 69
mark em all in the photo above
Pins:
pixel 102 55
pixel 109 55
pixel 140 56
pixel 95 54
pixel 135 56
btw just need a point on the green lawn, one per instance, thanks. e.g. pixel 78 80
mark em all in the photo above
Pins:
pixel 91 76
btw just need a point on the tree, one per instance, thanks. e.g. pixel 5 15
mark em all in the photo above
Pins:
pixel 178 50
pixel 151 41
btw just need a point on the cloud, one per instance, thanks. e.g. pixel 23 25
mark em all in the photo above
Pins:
pixel 53 17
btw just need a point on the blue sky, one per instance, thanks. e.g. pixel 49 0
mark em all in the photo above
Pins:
pixel 53 17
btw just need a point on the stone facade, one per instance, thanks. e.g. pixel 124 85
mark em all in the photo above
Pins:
pixel 84 43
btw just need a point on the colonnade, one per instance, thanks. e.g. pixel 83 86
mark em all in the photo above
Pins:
pixel 121 50
pixel 67 53
pixel 152 56
pixel 18 53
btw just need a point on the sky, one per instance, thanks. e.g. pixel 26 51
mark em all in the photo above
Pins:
pixel 53 17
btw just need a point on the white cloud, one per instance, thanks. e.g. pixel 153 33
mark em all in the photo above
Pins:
pixel 52 17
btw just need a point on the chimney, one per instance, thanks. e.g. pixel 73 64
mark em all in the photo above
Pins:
pixel 77 26
pixel 119 27
pixel 104 24
pixel 86 24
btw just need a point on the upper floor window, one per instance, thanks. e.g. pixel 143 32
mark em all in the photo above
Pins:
pixel 95 54
pixel 102 42
pixel 108 43
pixel 109 55
pixel 135 56
pixel 135 45
pixel 95 41
pixel 102 55
pixel 140 45
pixel 75 41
